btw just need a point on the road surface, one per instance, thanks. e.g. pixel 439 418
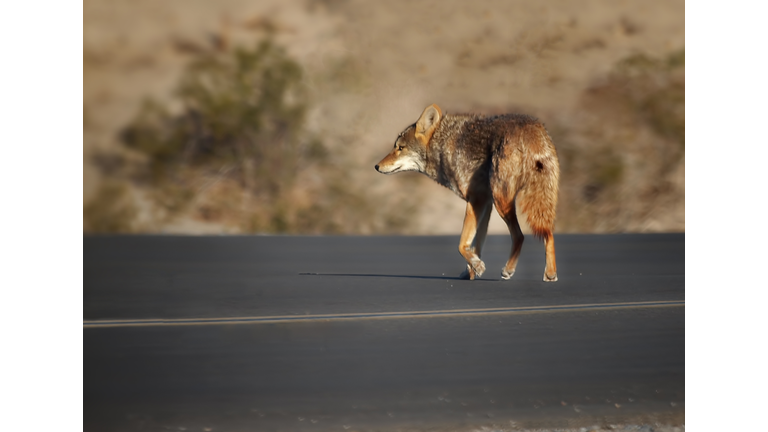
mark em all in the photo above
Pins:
pixel 377 333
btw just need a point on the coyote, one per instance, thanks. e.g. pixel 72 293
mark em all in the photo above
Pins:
pixel 501 160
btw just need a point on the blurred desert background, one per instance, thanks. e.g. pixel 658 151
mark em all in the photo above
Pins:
pixel 233 116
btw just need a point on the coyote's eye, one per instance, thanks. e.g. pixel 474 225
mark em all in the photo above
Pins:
pixel 400 147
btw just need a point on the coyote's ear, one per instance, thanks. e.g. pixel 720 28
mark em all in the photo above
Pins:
pixel 427 123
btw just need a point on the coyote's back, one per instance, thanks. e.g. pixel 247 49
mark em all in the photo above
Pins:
pixel 503 160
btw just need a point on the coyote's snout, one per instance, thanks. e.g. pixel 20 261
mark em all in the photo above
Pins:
pixel 503 160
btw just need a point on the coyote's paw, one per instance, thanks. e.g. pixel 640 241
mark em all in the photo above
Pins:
pixel 473 270
pixel 478 266
pixel 506 275
pixel 550 278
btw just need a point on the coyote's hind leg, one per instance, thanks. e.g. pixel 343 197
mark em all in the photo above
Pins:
pixel 507 212
pixel 473 236
pixel 550 271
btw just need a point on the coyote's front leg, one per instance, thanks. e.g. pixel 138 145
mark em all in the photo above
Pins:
pixel 473 236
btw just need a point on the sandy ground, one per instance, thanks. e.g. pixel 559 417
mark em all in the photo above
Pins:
pixel 484 56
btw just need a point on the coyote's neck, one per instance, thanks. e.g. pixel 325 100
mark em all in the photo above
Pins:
pixel 441 151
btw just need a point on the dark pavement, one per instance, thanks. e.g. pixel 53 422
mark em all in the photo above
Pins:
pixel 539 368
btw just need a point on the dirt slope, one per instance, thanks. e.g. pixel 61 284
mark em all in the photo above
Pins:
pixel 394 58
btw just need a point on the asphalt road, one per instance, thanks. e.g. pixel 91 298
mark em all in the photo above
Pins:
pixel 369 333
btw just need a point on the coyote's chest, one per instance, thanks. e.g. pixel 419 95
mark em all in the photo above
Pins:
pixel 463 171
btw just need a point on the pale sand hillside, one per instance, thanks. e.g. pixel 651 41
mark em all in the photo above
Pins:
pixel 489 57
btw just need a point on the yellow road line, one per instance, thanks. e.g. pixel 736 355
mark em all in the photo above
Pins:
pixel 376 315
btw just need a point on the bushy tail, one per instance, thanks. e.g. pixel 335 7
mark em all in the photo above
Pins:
pixel 538 196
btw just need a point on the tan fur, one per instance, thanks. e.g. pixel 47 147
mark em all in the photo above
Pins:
pixel 427 123
pixel 503 160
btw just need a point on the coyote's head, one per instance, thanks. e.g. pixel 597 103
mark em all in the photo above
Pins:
pixel 410 152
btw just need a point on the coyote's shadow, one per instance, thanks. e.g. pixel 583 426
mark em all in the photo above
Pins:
pixel 390 276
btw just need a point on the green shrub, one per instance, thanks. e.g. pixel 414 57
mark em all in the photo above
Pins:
pixel 241 119
pixel 245 108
